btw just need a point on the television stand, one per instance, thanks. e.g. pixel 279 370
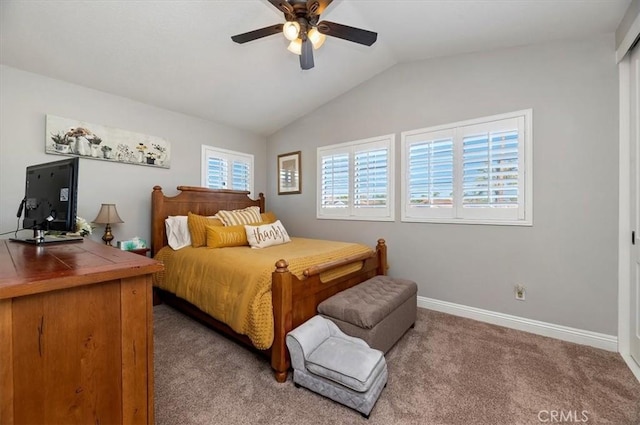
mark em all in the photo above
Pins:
pixel 76 332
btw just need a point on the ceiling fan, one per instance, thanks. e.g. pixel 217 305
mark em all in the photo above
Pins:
pixel 305 30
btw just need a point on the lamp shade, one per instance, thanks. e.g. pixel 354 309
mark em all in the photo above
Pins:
pixel 316 37
pixel 291 30
pixel 295 47
pixel 108 215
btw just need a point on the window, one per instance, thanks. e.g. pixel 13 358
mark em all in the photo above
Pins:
pixel 355 180
pixel 477 171
pixel 225 169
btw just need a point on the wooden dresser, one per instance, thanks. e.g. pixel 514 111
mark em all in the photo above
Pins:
pixel 76 334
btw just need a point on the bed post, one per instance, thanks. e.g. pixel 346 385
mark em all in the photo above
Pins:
pixel 281 291
pixel 381 251
pixel 157 223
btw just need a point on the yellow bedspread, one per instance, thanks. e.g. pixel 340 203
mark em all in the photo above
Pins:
pixel 233 284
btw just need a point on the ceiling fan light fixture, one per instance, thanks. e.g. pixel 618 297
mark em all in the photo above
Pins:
pixel 304 29
pixel 291 30
pixel 316 38
pixel 295 46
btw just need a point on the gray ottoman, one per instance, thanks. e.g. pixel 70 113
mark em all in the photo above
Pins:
pixel 379 310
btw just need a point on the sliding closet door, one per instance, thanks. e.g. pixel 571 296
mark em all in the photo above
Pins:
pixel 635 201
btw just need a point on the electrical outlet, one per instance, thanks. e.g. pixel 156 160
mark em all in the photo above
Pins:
pixel 520 292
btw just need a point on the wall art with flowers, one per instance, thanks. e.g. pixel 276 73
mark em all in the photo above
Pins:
pixel 69 137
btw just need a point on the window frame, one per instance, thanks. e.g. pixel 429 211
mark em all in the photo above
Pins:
pixel 228 155
pixel 351 212
pixel 458 214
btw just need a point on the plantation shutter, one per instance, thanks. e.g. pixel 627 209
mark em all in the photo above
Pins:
pixel 491 169
pixel 431 173
pixel 224 169
pixel 217 172
pixel 476 171
pixel 335 181
pixel 355 180
pixel 371 170
pixel 428 170
pixel 241 175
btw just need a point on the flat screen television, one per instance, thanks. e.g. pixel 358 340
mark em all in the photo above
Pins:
pixel 51 200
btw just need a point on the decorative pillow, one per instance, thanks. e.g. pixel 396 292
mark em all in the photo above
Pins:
pixel 197 228
pixel 221 236
pixel 249 215
pixel 177 231
pixel 267 235
pixel 268 217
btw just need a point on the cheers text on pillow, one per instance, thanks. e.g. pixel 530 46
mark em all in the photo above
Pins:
pixel 221 236
pixel 249 215
pixel 197 228
pixel 267 235
pixel 177 231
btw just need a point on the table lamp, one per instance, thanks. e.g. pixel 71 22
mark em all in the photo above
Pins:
pixel 108 215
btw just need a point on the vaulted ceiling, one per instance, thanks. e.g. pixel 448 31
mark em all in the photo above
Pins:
pixel 178 55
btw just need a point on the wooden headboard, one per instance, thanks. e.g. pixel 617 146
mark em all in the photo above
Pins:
pixel 198 200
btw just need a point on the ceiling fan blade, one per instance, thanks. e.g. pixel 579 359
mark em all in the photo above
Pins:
pixel 256 34
pixel 348 33
pixel 306 58
pixel 284 7
pixel 317 7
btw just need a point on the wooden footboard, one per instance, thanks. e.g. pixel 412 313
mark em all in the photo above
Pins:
pixel 295 301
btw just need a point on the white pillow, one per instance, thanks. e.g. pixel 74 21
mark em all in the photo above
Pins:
pixel 178 235
pixel 267 235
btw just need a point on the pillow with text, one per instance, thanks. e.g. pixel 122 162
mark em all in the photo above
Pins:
pixel 267 235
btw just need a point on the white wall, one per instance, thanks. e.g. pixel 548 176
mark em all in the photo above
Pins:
pixel 27 98
pixel 568 259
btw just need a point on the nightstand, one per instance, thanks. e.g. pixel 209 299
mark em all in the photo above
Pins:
pixel 141 251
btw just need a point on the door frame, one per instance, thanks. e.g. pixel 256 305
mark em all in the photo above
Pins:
pixel 624 212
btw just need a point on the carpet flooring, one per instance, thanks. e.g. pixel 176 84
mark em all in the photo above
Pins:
pixel 448 370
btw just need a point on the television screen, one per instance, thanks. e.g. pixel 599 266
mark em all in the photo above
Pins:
pixel 51 199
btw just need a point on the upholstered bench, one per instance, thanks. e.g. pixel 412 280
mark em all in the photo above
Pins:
pixel 338 366
pixel 379 310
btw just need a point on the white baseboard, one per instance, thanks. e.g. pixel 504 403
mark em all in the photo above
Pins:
pixel 565 333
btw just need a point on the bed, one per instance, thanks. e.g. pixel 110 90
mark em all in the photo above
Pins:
pixel 294 296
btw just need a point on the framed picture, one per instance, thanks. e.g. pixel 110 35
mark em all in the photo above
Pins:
pixel 71 137
pixel 289 173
